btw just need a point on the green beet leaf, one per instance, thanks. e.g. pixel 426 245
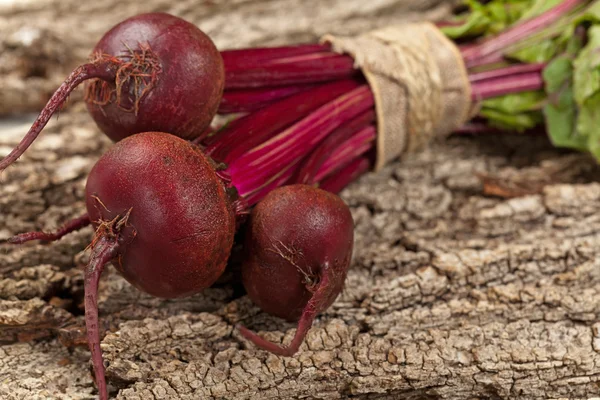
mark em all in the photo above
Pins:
pixel 586 77
pixel 589 124
pixel 586 90
pixel 538 7
pixel 518 122
pixel 514 111
pixel 488 19
pixel 560 111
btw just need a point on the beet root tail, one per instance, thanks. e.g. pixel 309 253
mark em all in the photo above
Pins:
pixel 71 226
pixel 104 250
pixel 105 70
pixel 312 308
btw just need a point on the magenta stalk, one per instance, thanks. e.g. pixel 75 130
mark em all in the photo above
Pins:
pixel 518 32
pixel 248 100
pixel 312 165
pixel 503 86
pixel 105 70
pixel 301 72
pixel 346 175
pixel 242 58
pixel 357 145
pixel 290 146
pixel 71 226
pixel 247 132
pixel 506 72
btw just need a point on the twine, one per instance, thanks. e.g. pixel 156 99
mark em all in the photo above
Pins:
pixel 419 82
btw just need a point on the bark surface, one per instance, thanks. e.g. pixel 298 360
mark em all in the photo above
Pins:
pixel 453 293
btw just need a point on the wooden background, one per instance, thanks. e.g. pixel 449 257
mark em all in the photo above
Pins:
pixel 452 294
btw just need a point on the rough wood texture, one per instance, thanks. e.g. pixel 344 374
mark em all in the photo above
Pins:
pixel 42 40
pixel 452 294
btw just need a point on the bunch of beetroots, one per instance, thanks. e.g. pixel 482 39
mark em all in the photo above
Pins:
pixel 167 221
pixel 165 213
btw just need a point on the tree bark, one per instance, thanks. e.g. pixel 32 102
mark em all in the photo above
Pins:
pixel 453 293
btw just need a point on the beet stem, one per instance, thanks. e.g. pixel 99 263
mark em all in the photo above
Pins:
pixel 346 175
pixel 207 132
pixel 250 131
pixel 71 226
pixel 357 145
pixel 312 308
pixel 242 58
pixel 306 71
pixel 518 32
pixel 246 100
pixel 476 128
pixel 105 70
pixel 502 86
pixel 277 181
pixel 292 145
pixel 104 250
pixel 313 163
pixel 506 72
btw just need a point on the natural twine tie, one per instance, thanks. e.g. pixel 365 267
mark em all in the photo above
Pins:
pixel 419 82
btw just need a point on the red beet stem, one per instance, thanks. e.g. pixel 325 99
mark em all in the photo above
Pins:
pixel 491 60
pixel 306 71
pixel 247 100
pixel 207 132
pixel 314 305
pixel 250 131
pixel 255 167
pixel 476 128
pixel 307 59
pixel 357 145
pixel 313 163
pixel 276 181
pixel 104 69
pixel 346 175
pixel 443 24
pixel 503 86
pixel 518 32
pixel 104 250
pixel 318 57
pixel 71 226
pixel 506 71
pixel 241 58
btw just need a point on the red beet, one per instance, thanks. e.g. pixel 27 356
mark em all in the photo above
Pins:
pixel 151 72
pixel 162 216
pixel 298 249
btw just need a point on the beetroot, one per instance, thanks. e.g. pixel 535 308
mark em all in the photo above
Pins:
pixel 162 216
pixel 151 72
pixel 298 249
